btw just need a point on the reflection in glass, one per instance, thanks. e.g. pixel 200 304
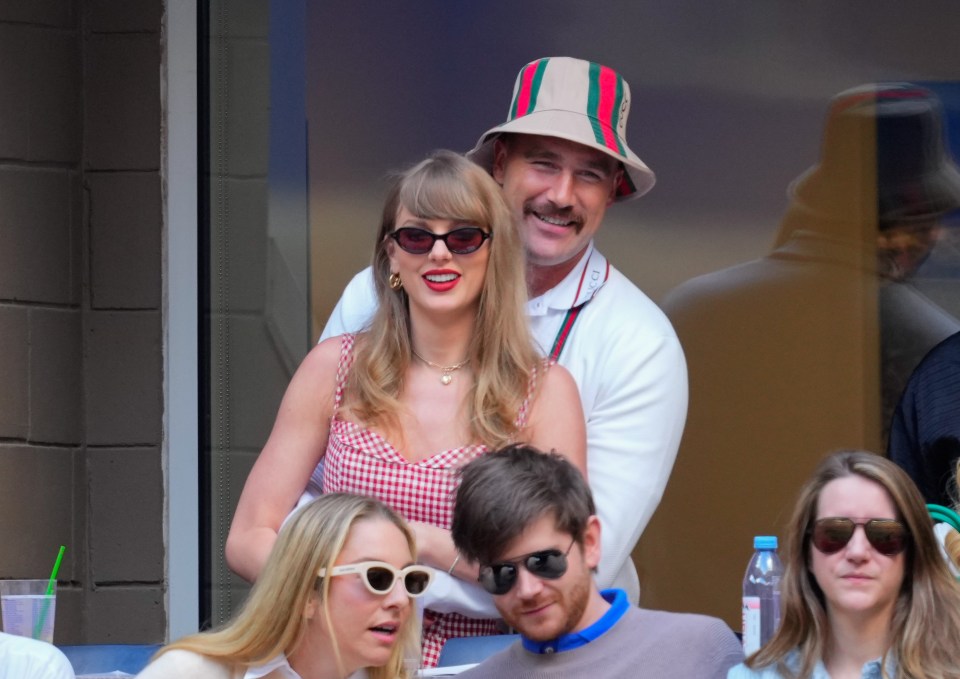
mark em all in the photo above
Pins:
pixel 807 349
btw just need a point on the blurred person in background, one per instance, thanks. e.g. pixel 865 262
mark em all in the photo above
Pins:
pixel 808 348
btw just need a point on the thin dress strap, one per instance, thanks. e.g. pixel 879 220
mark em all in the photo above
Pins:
pixel 539 369
pixel 346 360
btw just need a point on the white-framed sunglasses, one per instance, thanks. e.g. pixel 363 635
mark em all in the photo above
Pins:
pixel 380 578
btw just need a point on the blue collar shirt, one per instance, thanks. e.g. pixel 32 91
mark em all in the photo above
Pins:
pixel 619 605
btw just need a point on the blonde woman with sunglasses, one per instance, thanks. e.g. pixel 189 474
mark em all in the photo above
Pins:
pixel 865 591
pixel 334 600
pixel 446 371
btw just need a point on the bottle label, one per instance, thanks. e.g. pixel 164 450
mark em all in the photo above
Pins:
pixel 751 624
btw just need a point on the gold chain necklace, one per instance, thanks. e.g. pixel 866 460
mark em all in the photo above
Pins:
pixel 446 372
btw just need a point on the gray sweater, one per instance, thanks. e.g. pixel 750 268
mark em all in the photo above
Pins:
pixel 643 644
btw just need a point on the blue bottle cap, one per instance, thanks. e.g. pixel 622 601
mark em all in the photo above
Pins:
pixel 765 542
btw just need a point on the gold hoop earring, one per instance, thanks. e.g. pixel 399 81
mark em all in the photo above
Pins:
pixel 394 281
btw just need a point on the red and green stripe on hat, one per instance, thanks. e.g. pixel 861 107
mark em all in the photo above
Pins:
pixel 605 100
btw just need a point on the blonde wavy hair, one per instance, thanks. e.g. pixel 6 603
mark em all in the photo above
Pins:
pixel 448 186
pixel 272 619
pixel 925 629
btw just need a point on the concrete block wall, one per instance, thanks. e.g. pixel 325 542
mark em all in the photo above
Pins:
pixel 247 381
pixel 80 310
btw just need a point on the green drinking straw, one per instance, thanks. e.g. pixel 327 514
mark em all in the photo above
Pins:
pixel 50 585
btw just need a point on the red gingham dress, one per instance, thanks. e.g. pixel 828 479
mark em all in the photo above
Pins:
pixel 358 460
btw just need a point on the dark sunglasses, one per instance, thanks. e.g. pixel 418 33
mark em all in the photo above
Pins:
pixel 832 534
pixel 460 241
pixel 380 577
pixel 499 578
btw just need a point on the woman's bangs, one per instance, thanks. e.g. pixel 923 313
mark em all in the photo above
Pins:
pixel 443 197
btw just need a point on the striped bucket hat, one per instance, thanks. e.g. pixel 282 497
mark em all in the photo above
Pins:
pixel 576 100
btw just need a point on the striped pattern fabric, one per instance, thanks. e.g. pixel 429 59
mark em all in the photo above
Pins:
pixel 359 460
pixel 597 91
pixel 605 98
pixel 576 100
pixel 528 87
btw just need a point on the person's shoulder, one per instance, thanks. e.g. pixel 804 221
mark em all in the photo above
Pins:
pixel 627 292
pixel 687 625
pixel 945 353
pixel 741 671
pixel 359 295
pixel 25 657
pixel 553 376
pixel 185 664
pixel 950 346
pixel 934 381
pixel 355 308
pixel 324 357
pixel 501 665
pixel 633 310
pixel 719 290
pixel 362 279
pixel 316 376
pixel 332 346
pixel 12 644
pixel 791 660
pixel 695 644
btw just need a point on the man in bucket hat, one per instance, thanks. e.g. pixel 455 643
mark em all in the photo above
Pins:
pixel 562 159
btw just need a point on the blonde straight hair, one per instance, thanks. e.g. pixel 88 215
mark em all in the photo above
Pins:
pixel 925 629
pixel 272 620
pixel 448 186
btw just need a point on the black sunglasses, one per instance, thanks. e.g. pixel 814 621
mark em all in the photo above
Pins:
pixel 499 578
pixel 380 578
pixel 887 536
pixel 460 241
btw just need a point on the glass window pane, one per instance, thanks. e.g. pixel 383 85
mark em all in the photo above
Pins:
pixel 257 299
pixel 761 240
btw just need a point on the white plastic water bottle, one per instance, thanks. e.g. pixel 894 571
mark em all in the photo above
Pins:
pixel 761 594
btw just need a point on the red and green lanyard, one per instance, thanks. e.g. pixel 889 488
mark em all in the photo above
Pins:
pixel 572 313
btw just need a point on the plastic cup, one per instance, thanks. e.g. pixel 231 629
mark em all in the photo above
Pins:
pixel 24 605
